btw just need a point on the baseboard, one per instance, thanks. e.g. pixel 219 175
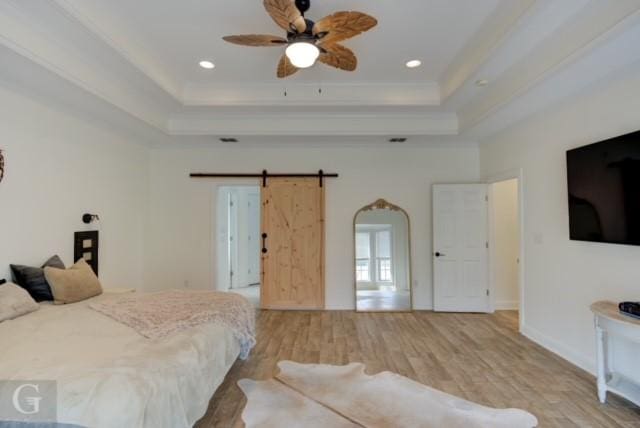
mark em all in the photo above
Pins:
pixel 585 363
pixel 505 305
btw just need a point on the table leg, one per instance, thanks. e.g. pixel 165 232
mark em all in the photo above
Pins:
pixel 601 364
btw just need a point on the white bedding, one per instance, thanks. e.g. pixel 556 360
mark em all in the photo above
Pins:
pixel 110 376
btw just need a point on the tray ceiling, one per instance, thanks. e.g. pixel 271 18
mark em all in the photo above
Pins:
pixel 141 58
pixel 177 34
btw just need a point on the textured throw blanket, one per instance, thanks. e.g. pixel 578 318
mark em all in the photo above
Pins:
pixel 156 315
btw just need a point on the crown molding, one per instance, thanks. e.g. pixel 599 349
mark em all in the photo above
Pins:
pixel 309 94
pixel 135 56
pixel 539 22
pixel 68 62
pixel 480 48
pixel 319 141
pixel 235 94
pixel 28 79
pixel 599 70
pixel 57 38
pixel 595 24
pixel 316 124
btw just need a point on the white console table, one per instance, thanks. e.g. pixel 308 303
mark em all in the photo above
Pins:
pixel 610 322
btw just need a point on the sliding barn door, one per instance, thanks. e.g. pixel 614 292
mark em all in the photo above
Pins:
pixel 460 254
pixel 293 244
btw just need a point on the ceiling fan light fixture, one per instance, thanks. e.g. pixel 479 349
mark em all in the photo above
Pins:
pixel 308 41
pixel 302 54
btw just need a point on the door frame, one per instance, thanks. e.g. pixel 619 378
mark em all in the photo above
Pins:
pixel 491 179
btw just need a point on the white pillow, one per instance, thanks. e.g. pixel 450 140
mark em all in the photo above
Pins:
pixel 15 301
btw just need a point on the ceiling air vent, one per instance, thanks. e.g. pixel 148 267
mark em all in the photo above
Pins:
pixel 397 140
pixel 229 140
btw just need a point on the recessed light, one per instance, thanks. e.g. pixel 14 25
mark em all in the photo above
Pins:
pixel 413 63
pixel 207 64
pixel 482 82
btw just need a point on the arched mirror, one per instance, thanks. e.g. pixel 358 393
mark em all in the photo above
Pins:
pixel 382 258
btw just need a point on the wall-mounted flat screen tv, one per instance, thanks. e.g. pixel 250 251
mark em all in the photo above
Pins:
pixel 604 191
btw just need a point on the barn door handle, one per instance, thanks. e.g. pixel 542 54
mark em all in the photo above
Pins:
pixel 264 243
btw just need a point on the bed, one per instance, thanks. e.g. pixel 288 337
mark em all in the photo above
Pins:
pixel 108 375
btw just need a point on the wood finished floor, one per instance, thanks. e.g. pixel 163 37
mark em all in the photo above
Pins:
pixel 382 300
pixel 480 357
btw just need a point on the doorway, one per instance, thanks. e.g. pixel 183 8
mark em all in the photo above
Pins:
pixel 505 251
pixel 238 237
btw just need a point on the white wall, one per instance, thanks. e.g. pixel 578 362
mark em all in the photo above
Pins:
pixel 179 236
pixel 506 244
pixel 563 277
pixel 57 168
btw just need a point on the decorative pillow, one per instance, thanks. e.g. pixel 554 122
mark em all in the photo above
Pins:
pixel 74 284
pixel 15 301
pixel 32 278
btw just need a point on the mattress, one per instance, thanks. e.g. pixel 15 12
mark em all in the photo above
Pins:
pixel 108 375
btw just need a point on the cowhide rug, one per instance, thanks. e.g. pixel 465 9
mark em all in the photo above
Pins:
pixel 318 395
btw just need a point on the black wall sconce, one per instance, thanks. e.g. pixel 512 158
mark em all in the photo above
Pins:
pixel 90 218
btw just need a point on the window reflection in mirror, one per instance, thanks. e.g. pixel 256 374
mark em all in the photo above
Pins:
pixel 382 258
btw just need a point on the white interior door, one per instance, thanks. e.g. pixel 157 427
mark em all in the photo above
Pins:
pixel 460 248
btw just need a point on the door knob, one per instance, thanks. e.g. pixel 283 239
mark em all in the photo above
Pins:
pixel 439 254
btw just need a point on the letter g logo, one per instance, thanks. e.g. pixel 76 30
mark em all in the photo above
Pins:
pixel 32 402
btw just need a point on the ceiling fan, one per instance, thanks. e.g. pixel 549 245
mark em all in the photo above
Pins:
pixel 307 41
